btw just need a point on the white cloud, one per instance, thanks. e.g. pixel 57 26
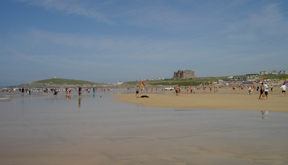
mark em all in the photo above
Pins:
pixel 71 7
pixel 158 14
pixel 105 46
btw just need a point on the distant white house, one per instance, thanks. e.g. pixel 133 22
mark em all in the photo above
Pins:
pixel 262 73
pixel 273 72
pixel 230 77
pixel 283 72
pixel 119 82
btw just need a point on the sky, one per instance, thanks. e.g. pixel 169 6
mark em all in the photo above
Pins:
pixel 125 40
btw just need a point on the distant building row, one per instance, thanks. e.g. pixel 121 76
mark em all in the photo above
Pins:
pixel 273 72
pixel 180 74
pixel 151 79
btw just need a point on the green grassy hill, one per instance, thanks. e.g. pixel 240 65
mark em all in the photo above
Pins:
pixel 60 81
pixel 199 80
pixel 167 82
pixel 272 77
pixel 181 82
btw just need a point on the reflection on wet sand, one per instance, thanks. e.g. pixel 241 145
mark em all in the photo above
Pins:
pixel 79 102
pixel 5 98
pixel 265 114
pixel 68 96
pixel 52 130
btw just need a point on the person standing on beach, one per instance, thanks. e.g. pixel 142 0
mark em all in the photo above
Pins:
pixel 176 90
pixel 137 91
pixel 79 91
pixel 266 89
pixel 249 90
pixel 94 91
pixel 283 87
pixel 261 91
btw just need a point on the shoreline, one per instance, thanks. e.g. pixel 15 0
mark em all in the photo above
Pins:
pixel 226 100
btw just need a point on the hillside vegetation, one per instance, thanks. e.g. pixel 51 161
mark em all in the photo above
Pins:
pixel 167 82
pixel 60 81
pixel 181 82
pixel 272 77
pixel 199 80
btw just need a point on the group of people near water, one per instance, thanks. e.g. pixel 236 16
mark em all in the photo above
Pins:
pixel 264 89
pixel 137 93
pixel 54 91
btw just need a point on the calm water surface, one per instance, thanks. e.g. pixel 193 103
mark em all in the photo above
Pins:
pixel 47 129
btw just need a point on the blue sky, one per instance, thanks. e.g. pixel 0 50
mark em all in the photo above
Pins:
pixel 124 40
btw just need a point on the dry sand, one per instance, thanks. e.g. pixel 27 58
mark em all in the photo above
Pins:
pixel 225 99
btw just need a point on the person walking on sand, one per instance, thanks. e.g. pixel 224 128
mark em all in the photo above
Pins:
pixel 266 89
pixel 283 87
pixel 261 91
pixel 249 90
pixel 176 90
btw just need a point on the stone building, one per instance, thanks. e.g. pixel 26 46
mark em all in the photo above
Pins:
pixel 184 74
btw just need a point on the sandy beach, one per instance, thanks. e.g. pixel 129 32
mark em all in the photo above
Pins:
pixel 226 99
pixel 48 129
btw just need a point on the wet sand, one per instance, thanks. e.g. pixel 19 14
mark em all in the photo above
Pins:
pixel 55 130
pixel 226 99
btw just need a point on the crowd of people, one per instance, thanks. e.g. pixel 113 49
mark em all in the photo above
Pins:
pixel 263 88
pixel 54 91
